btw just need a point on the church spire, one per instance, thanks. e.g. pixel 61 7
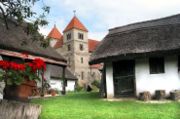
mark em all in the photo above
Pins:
pixel 75 23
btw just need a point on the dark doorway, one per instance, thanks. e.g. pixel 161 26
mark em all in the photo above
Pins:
pixel 124 78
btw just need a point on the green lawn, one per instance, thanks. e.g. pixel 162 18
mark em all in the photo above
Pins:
pixel 90 106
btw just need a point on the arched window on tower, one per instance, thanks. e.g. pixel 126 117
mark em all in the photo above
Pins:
pixel 80 36
pixel 82 60
pixel 68 36
pixel 81 47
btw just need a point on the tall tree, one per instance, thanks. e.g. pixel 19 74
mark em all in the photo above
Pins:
pixel 21 11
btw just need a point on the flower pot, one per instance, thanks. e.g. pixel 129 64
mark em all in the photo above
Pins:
pixel 20 92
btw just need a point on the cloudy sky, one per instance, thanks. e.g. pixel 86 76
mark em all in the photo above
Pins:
pixel 100 15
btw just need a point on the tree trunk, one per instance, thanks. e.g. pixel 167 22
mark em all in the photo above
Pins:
pixel 19 110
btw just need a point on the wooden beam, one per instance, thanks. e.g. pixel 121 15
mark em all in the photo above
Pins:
pixel 31 57
pixel 64 81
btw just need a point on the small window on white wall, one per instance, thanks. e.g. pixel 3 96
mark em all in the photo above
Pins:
pixel 156 65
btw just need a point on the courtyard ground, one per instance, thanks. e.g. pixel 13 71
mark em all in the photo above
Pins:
pixel 90 106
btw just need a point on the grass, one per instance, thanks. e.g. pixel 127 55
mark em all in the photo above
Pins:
pixel 90 106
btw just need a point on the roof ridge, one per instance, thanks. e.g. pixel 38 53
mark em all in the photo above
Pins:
pixel 148 23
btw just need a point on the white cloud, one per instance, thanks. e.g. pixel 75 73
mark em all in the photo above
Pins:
pixel 97 35
pixel 100 15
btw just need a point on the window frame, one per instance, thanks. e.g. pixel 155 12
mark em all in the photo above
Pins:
pixel 69 47
pixel 81 47
pixel 82 60
pixel 81 36
pixel 82 75
pixel 156 65
pixel 68 36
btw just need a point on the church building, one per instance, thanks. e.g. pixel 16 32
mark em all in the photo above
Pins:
pixel 76 47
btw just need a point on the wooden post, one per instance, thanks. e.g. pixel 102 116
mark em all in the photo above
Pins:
pixel 64 82
pixel 42 84
pixel 104 81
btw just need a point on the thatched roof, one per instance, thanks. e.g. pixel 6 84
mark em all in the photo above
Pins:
pixel 140 39
pixel 13 38
pixel 56 72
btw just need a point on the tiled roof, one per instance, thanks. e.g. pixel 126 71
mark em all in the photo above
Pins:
pixel 75 23
pixel 96 66
pixel 55 34
pixel 58 44
pixel 92 44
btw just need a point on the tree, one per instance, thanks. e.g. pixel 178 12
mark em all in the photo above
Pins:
pixel 21 11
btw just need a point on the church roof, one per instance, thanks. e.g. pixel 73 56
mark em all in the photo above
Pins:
pixel 55 34
pixel 75 23
pixel 92 44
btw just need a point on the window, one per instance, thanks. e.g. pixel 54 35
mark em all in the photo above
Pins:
pixel 156 65
pixel 69 61
pixel 80 36
pixel 82 75
pixel 81 47
pixel 68 36
pixel 69 47
pixel 81 59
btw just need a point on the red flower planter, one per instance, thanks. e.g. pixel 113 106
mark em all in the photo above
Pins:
pixel 20 92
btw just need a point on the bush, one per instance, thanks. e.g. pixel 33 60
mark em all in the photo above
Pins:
pixel 79 88
pixel 96 83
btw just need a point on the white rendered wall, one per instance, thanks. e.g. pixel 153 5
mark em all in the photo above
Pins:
pixel 167 81
pixel 57 84
pixel 70 85
pixel 47 73
pixel 53 42
pixel 109 80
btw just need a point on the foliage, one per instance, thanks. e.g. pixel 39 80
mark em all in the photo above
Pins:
pixel 22 10
pixel 89 106
pixel 96 83
pixel 14 73
pixel 79 88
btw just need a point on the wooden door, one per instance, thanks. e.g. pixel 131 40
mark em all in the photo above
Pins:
pixel 124 76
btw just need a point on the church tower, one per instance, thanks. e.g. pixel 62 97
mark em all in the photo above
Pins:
pixel 55 36
pixel 75 41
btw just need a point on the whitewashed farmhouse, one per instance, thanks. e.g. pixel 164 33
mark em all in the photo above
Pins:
pixel 141 57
